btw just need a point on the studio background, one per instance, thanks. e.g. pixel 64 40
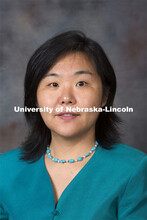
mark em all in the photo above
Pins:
pixel 119 27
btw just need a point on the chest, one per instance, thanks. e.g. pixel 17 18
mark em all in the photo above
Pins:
pixel 60 179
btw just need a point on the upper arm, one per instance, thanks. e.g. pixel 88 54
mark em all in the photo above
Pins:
pixel 3 214
pixel 133 205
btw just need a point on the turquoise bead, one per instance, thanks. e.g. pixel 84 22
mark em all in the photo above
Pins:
pixel 62 161
pixel 93 148
pixel 86 155
pixel 80 158
pixel 48 151
pixel 71 160
pixel 50 156
pixel 96 143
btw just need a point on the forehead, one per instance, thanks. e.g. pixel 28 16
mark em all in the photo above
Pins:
pixel 74 61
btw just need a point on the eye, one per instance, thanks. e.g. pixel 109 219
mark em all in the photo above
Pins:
pixel 81 83
pixel 53 84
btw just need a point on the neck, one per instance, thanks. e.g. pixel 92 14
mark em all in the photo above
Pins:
pixel 66 148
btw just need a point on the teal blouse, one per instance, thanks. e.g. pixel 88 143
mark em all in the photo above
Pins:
pixel 112 185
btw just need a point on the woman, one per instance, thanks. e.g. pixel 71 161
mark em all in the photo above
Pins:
pixel 72 165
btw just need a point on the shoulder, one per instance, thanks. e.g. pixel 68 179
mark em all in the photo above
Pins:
pixel 10 153
pixel 10 164
pixel 10 158
pixel 14 171
pixel 125 151
pixel 123 157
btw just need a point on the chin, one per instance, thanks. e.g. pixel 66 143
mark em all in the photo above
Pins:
pixel 66 134
pixel 70 133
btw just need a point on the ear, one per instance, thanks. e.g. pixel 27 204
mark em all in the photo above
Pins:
pixel 104 100
pixel 36 103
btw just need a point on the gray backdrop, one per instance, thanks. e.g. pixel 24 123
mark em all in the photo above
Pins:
pixel 119 26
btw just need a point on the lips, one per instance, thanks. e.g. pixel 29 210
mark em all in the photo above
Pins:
pixel 67 115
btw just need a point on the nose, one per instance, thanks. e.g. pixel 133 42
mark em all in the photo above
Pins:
pixel 66 100
pixel 67 97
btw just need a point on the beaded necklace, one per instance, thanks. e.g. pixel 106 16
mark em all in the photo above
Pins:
pixel 56 160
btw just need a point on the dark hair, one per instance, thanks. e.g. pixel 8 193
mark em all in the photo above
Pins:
pixel 39 64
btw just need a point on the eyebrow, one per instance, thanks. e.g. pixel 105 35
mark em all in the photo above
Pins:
pixel 83 72
pixel 76 73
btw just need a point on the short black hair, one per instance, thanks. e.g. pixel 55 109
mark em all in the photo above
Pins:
pixel 106 129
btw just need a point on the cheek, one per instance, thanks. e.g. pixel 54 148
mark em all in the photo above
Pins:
pixel 90 99
pixel 43 99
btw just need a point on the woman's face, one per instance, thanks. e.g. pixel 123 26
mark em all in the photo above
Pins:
pixel 71 82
